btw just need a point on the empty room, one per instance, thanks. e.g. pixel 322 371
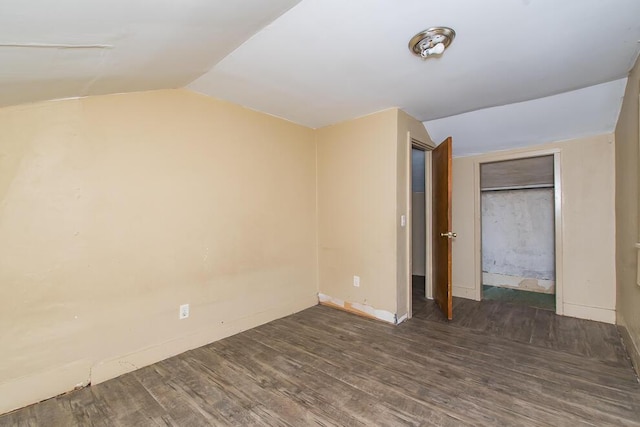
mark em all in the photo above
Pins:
pixel 319 212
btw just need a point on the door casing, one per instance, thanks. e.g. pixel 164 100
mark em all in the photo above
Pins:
pixel 557 192
pixel 427 147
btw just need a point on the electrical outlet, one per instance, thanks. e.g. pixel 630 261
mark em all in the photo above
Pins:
pixel 184 311
pixel 356 281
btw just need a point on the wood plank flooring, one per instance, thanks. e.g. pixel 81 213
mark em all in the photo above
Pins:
pixel 538 327
pixel 531 325
pixel 326 367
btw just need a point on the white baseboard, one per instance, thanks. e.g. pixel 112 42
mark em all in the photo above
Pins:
pixel 20 392
pixel 589 313
pixel 632 345
pixel 460 292
pixel 571 310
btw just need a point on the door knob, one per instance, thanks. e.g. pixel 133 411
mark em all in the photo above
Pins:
pixel 449 234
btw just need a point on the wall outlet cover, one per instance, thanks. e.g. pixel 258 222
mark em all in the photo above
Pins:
pixel 184 311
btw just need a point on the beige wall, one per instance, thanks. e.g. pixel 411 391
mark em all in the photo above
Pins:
pixel 115 210
pixel 363 189
pixel 357 210
pixel 407 127
pixel 588 243
pixel 628 215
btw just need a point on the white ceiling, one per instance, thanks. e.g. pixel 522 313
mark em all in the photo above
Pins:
pixel 118 45
pixel 318 62
pixel 590 111
pixel 329 60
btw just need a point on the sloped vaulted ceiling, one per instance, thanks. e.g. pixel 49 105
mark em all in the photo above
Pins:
pixel 318 62
pixel 328 60
pixel 68 48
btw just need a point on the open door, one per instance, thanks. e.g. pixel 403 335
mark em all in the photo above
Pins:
pixel 442 234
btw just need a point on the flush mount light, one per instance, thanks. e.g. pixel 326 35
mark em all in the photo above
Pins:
pixel 431 42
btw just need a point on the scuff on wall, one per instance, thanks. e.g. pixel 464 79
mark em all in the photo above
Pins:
pixel 518 282
pixel 359 309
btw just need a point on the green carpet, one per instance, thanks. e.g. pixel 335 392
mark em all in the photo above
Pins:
pixel 514 296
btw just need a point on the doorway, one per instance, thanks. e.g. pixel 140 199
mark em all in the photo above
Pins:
pixel 418 242
pixel 437 208
pixel 418 184
pixel 518 231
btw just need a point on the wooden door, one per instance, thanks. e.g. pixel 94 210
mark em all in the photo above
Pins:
pixel 442 233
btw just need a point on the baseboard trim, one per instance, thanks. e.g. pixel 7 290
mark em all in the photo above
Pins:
pixel 467 293
pixel 112 368
pixel 590 313
pixel 20 392
pixel 632 347
pixel 27 390
pixel 363 310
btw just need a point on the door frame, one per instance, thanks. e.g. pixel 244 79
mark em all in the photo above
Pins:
pixel 557 192
pixel 426 147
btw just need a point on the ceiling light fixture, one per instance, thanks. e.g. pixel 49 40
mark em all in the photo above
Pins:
pixel 431 42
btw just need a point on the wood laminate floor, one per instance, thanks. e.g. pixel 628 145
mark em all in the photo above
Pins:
pixel 531 325
pixel 324 367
